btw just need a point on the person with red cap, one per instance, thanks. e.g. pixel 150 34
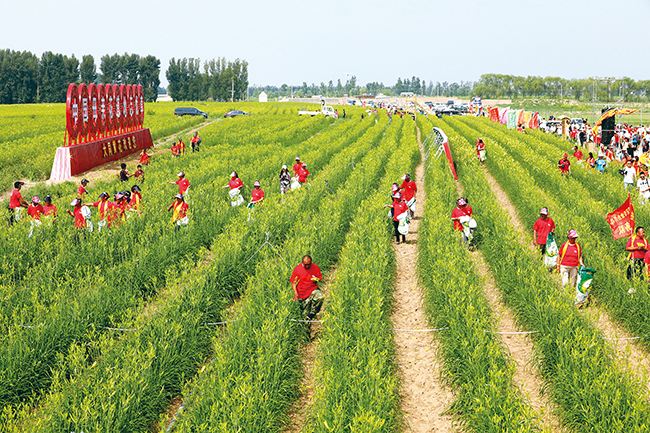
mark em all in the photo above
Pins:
pixel 570 258
pixel 564 165
pixel 462 209
pixel 408 189
pixel 304 282
pixel 257 194
pixel 82 191
pixel 541 229
pixel 16 203
pixel 179 210
pixel 399 212
pixel 637 247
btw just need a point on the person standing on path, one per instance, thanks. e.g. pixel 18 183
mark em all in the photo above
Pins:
pixel 629 176
pixel 16 203
pixel 399 213
pixel 408 189
pixel 570 259
pixel 637 246
pixel 304 282
pixel 541 229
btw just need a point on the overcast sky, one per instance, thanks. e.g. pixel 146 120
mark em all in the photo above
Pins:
pixel 290 41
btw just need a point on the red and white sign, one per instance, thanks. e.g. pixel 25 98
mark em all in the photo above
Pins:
pixel 622 220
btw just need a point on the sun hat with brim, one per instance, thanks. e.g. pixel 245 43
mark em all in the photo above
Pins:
pixel 74 202
pixel 543 211
pixel 256 183
pixel 461 202
pixel 572 234
pixel 181 174
pixel 179 196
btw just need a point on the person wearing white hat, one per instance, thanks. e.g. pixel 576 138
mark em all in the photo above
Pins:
pixel 285 180
pixel 399 213
pixel 234 186
pixel 542 228
pixel 570 258
pixel 462 209
pixel 183 184
pixel 257 194
pixel 297 166
pixel 79 218
pixel 179 210
pixel 303 173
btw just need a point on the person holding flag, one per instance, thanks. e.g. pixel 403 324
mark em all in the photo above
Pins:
pixel 637 247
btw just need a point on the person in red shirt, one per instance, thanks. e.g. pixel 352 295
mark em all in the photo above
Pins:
pixel 297 166
pixel 257 194
pixel 541 229
pixel 176 152
pixel 407 191
pixel 179 210
pixel 16 203
pixel 462 209
pixel 195 142
pixel 79 219
pixel 139 174
pixel 183 184
pixel 570 258
pixel 577 153
pixel 303 174
pixel 591 161
pixel 136 198
pixel 49 210
pixel 564 165
pixel 118 210
pixel 82 191
pixel 480 150
pixel 399 210
pixel 235 182
pixel 104 208
pixel 35 209
pixel 144 157
pixel 304 281
pixel 181 146
pixel 637 246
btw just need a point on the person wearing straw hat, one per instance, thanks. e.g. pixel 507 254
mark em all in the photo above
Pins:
pixel 570 258
pixel 541 229
pixel 304 282
pixel 179 210
pixel 257 194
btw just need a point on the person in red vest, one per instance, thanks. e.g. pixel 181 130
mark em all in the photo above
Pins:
pixel 304 282
pixel 82 191
pixel 408 189
pixel 104 208
pixel 118 213
pixel 176 151
pixel 297 166
pixel 577 153
pixel 144 157
pixel 49 209
pixel 570 258
pixel 179 210
pixel 79 219
pixel 462 209
pixel 399 210
pixel 480 150
pixel 136 198
pixel 16 203
pixel 195 142
pixel 257 194
pixel 564 165
pixel 183 184
pixel 303 174
pixel 637 247
pixel 181 146
pixel 541 229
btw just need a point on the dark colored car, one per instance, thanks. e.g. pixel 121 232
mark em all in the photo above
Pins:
pixel 190 111
pixel 235 113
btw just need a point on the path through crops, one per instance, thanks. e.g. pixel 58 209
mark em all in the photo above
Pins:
pixel 629 356
pixel 424 398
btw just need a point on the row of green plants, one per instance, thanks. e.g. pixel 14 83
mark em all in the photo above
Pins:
pixel 355 375
pixel 254 376
pixel 128 382
pixel 94 300
pixel 475 365
pixel 573 207
pixel 590 392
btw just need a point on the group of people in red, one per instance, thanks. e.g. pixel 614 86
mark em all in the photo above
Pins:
pixel 402 207
pixel 178 147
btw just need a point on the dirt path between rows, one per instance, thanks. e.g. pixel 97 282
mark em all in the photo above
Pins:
pixel 630 356
pixel 518 343
pixel 425 399
pixel 112 168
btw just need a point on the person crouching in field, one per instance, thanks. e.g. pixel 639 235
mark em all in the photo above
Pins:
pixel 304 282
pixel 564 165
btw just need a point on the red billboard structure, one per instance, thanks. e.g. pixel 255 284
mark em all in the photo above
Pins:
pixel 104 123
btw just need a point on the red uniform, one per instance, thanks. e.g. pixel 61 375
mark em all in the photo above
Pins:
pixel 543 227
pixel 81 191
pixel 235 182
pixel 570 254
pixel 399 208
pixel 578 154
pixel 183 185
pixel 303 174
pixel 103 207
pixel 49 210
pixel 257 195
pixel 564 165
pixel 297 167
pixel 144 158
pixel 79 220
pixel 15 199
pixel 459 212
pixel 35 211
pixel 409 188
pixel 179 210
pixel 637 242
pixel 136 198
pixel 304 278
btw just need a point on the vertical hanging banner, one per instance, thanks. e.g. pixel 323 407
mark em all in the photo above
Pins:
pixel 443 146
pixel 622 220
pixel 104 122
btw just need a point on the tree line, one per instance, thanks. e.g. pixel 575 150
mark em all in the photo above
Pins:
pixel 216 79
pixel 26 78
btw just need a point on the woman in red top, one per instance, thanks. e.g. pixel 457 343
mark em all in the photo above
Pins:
pixel 16 203
pixel 480 150
pixel 637 246
pixel 82 191
pixel 461 209
pixel 564 165
pixel 49 210
pixel 257 194
pixel 541 229
pixel 235 182
pixel 35 209
pixel 570 258
pixel 183 184
pixel 591 161
pixel 144 157
pixel 79 219
pixel 303 174
pixel 399 209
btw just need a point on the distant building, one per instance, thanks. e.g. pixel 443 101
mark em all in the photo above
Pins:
pixel 263 97
pixel 164 97
pixel 407 94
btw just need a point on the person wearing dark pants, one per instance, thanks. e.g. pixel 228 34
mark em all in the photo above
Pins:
pixel 637 246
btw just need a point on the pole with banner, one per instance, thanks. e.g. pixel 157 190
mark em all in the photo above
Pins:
pixel 622 220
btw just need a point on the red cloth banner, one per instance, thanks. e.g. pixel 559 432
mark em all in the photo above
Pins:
pixel 622 220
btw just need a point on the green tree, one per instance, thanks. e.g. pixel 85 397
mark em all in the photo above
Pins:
pixel 87 69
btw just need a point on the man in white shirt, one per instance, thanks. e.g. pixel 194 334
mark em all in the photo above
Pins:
pixel 629 176
pixel 644 188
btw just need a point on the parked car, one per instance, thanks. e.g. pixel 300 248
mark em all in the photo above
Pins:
pixel 235 113
pixel 189 111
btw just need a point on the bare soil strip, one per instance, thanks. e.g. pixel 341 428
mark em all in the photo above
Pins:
pixel 425 399
pixel 630 356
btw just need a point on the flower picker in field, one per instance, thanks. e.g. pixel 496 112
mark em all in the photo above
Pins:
pixel 16 203
pixel 570 258
pixel 49 210
pixel 408 189
pixel 637 247
pixel 82 190
pixel 297 166
pixel 179 212
pixel 35 210
pixel 303 174
pixel 304 282
pixel 195 142
pixel 564 165
pixel 144 157
pixel 480 150
pixel 183 185
pixel 104 209
pixel 285 180
pixel 542 228
pixel 257 194
pixel 81 215
pixel 399 212
pixel 462 209
pixel 235 186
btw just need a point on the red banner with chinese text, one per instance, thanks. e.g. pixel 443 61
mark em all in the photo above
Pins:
pixel 622 220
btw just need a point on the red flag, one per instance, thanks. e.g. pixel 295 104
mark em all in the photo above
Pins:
pixel 622 220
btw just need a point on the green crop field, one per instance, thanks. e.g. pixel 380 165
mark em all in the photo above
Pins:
pixel 144 328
